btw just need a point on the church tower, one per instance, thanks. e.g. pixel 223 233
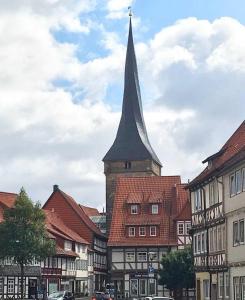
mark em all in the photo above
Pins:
pixel 131 153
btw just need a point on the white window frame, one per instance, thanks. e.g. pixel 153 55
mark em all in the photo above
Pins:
pixel 142 233
pixel 241 231
pixel 211 193
pixel 155 231
pixel 67 245
pixel 154 209
pixel 232 184
pixel 137 287
pixel 131 233
pixel 142 256
pixel 238 185
pixel 206 287
pixel 221 286
pixel 181 224
pixel 243 179
pixel 130 256
pixel 198 243
pixel 235 234
pixel 134 209
pixel 198 199
pixel 145 282
pixel 11 285
pixel 203 242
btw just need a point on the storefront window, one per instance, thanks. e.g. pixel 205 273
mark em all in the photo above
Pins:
pixel 143 284
pixel 134 287
pixel 152 286
pixel 236 288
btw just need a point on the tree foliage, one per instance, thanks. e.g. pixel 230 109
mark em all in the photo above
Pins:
pixel 177 271
pixel 23 236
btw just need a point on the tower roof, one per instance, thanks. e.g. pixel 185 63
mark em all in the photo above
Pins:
pixel 131 141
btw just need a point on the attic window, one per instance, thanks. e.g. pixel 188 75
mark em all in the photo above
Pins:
pixel 127 165
pixel 210 164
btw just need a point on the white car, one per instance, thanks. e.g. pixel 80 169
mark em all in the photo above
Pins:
pixel 159 298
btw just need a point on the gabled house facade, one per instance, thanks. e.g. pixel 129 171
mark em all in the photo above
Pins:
pixel 216 203
pixel 75 218
pixel 143 230
pixel 68 270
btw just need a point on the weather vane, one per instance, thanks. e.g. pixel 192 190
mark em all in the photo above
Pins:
pixel 130 11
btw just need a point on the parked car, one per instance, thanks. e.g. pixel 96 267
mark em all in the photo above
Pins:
pixel 101 296
pixel 159 298
pixel 61 295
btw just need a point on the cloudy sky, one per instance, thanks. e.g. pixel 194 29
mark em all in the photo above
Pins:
pixel 61 84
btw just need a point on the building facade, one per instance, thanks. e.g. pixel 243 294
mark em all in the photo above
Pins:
pixel 77 220
pixel 144 229
pixel 216 202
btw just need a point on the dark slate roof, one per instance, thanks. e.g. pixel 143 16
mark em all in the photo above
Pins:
pixel 131 142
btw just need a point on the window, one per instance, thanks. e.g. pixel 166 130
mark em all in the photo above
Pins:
pixel 198 243
pixel 206 289
pixel 127 165
pixel 19 285
pixel 238 232
pixel 131 231
pixel 142 287
pixel 227 286
pixel 243 179
pixel 211 240
pixel 241 231
pixel 10 286
pixel 1 286
pixel 134 287
pixel 242 281
pixel 215 238
pixel 197 195
pixel 153 231
pixel 211 194
pixel 236 288
pixel 238 181
pixel 219 238
pixel 195 244
pixel 203 242
pixel 134 209
pixel 154 209
pixel 180 228
pixel 232 185
pixel 152 286
pixel 221 285
pixel 187 227
pixel 142 256
pixel 68 245
pixel 141 231
pixel 130 256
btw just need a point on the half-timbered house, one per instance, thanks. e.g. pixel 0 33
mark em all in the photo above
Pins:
pixel 143 229
pixel 208 192
pixel 77 220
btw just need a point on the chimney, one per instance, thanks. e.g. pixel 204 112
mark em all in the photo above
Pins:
pixel 55 187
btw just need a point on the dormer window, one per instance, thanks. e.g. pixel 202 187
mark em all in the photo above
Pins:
pixel 131 231
pixel 153 230
pixel 67 245
pixel 154 209
pixel 134 209
pixel 127 165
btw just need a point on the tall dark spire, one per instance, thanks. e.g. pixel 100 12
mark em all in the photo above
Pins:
pixel 131 142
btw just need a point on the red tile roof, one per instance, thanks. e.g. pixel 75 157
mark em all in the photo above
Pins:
pixel 158 189
pixel 56 226
pixel 90 211
pixel 232 151
pixel 7 199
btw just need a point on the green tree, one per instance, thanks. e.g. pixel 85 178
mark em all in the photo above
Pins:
pixel 23 235
pixel 177 272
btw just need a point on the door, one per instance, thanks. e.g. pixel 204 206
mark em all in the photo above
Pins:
pixel 32 288
pixel 198 289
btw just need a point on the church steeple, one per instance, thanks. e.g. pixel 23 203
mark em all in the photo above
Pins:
pixel 131 143
pixel 131 153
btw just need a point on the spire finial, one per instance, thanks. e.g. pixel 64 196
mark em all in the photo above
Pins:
pixel 130 11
